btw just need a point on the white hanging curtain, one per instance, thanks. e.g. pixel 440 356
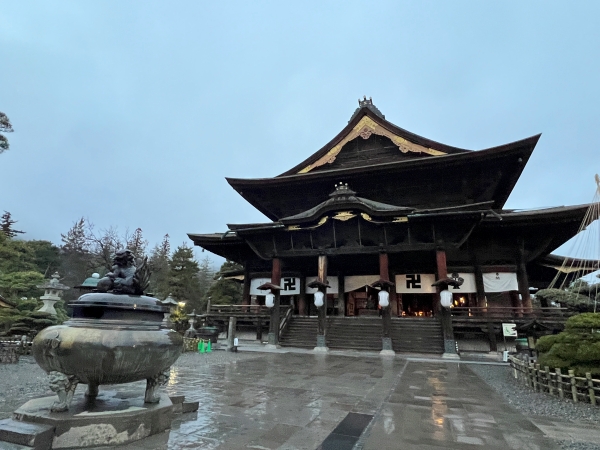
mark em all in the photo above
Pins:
pixel 359 281
pixel 500 282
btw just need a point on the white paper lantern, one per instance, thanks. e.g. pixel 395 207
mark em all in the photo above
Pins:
pixel 270 300
pixel 384 298
pixel 319 299
pixel 446 298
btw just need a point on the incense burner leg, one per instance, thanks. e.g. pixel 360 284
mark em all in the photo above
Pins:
pixel 64 386
pixel 92 390
pixel 152 385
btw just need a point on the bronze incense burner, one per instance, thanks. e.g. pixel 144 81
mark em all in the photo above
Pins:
pixel 113 337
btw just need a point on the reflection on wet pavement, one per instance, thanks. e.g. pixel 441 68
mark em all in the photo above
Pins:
pixel 446 406
pixel 294 401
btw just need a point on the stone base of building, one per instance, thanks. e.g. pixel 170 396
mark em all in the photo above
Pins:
pixel 112 418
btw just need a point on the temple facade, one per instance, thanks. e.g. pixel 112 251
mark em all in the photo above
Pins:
pixel 381 209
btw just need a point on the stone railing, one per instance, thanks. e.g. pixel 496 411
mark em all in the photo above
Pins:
pixel 554 382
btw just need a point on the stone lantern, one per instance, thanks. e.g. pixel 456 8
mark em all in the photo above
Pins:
pixel 52 293
pixel 171 303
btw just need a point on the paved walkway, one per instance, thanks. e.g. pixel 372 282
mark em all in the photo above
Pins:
pixel 309 401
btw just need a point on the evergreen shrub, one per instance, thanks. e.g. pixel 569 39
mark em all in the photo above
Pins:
pixel 576 348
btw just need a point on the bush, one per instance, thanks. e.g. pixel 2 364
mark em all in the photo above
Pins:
pixel 589 322
pixel 571 300
pixel 576 348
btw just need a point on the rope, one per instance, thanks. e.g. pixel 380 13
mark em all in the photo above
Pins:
pixel 585 249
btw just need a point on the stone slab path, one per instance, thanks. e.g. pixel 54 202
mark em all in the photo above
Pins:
pixel 351 401
pixel 305 401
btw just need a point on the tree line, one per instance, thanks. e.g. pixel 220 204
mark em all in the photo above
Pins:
pixel 85 249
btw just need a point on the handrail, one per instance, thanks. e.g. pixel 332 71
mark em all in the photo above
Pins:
pixel 502 312
pixel 285 321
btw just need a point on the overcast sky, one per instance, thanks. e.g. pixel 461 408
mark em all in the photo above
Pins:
pixel 132 113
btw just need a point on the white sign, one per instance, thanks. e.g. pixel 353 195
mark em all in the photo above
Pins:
pixel 468 286
pixel 289 285
pixel 500 282
pixel 416 283
pixel 509 330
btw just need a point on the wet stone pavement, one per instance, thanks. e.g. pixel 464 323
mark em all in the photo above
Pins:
pixel 310 401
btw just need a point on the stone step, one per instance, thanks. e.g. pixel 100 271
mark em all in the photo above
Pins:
pixel 34 435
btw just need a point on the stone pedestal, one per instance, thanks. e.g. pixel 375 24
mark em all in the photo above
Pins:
pixel 113 418
pixel 450 349
pixel 321 344
pixel 386 345
pixel 48 305
pixel 272 342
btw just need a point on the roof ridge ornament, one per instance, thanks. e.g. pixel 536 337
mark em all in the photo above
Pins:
pixel 367 103
pixel 342 189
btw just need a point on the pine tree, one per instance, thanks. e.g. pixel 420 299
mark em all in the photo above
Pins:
pixel 5 127
pixel 6 225
pixel 206 276
pixel 183 278
pixel 76 258
pixel 159 268
pixel 137 244
pixel 226 291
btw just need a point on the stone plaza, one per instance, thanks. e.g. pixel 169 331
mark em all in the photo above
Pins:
pixel 342 400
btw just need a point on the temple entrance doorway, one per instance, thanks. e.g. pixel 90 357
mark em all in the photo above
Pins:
pixel 362 302
pixel 417 305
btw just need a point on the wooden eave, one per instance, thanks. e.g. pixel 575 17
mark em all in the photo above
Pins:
pixel 541 231
pixel 556 262
pixel 395 130
pixel 262 193
pixel 230 247
pixel 575 213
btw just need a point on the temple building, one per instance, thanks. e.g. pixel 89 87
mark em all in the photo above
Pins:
pixel 379 208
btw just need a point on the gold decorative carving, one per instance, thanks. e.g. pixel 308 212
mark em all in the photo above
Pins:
pixel 365 133
pixel 366 217
pixel 298 227
pixel 344 215
pixel 400 219
pixel 365 128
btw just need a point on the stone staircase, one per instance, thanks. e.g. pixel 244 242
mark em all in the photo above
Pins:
pixel 301 332
pixel 354 333
pixel 416 335
pixel 419 335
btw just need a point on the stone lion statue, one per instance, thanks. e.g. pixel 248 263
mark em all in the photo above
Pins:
pixel 125 277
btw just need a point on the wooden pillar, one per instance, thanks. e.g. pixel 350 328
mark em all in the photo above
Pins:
pixel 341 294
pixel 479 286
pixel 386 318
pixel 302 297
pixel 384 270
pixel 481 302
pixel 246 288
pixel 523 281
pixel 275 313
pixel 442 272
pixel 322 311
pixel 444 313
